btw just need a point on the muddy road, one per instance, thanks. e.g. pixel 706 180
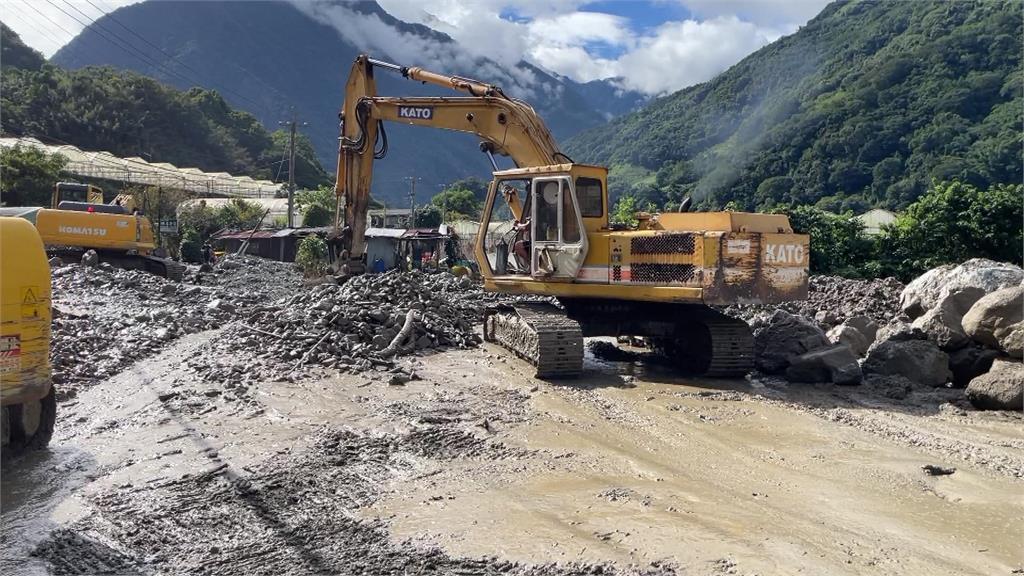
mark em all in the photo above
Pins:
pixel 473 467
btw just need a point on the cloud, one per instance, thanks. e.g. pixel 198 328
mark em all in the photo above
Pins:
pixel 685 53
pixel 785 16
pixel 565 38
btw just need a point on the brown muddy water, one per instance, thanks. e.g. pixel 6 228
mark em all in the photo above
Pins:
pixel 476 468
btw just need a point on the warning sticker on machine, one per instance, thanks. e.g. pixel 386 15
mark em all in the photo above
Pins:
pixel 10 353
pixel 737 247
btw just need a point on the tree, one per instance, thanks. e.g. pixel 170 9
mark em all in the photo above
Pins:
pixel 29 175
pixel 239 214
pixel 838 243
pixel 316 215
pixel 952 222
pixel 317 206
pixel 428 216
pixel 191 248
pixel 458 204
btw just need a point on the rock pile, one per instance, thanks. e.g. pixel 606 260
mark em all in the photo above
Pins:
pixel 106 318
pixel 948 328
pixel 833 299
pixel 360 325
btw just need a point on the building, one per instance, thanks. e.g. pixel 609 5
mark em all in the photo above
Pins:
pixel 390 217
pixel 874 219
pixel 384 243
pixel 272 244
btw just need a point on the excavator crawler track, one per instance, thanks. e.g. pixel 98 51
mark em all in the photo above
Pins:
pixel 539 333
pixel 711 345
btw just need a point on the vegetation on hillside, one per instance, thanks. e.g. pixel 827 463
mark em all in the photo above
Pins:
pixel 950 223
pixel 130 115
pixel 28 175
pixel 864 106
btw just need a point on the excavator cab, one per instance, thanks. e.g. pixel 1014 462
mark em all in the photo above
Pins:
pixel 537 220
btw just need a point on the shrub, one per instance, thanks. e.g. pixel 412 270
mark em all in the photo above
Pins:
pixel 312 255
pixel 191 247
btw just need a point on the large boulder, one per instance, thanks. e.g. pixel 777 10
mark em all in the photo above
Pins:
pixel 850 336
pixel 917 360
pixel 836 364
pixel 783 336
pixel 864 325
pixel 995 320
pixel 942 323
pixel 899 331
pixel 927 289
pixel 1001 388
pixel 969 362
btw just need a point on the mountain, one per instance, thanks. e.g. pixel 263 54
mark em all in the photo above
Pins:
pixel 272 57
pixel 15 54
pixel 129 114
pixel 863 106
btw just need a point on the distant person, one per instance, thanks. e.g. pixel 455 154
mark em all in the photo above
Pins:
pixel 207 253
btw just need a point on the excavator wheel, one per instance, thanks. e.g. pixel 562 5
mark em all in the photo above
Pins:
pixel 29 425
pixel 539 333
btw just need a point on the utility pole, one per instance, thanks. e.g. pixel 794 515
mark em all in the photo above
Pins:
pixel 412 200
pixel 291 170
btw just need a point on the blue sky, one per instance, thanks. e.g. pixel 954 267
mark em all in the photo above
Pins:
pixel 654 46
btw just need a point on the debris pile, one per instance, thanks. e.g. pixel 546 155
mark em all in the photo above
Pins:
pixel 833 299
pixel 106 318
pixel 360 325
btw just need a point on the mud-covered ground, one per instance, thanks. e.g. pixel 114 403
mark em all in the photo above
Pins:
pixel 473 467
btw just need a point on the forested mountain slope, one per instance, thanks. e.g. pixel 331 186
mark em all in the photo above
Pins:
pixel 270 58
pixel 863 106
pixel 132 115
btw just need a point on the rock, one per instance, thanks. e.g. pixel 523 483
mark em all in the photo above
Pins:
pixel 1001 388
pixel 168 289
pixel 917 360
pixel 942 323
pixel 866 326
pixel 891 385
pixel 163 334
pixel 934 470
pixel 969 362
pixel 850 336
pixel 899 331
pixel 926 290
pixel 56 262
pixel 825 317
pixel 784 336
pixel 90 258
pixel 220 305
pixel 836 364
pixel 995 320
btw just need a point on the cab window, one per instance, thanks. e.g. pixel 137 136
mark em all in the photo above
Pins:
pixel 590 196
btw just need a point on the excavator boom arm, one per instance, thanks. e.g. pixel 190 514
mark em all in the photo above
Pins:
pixel 505 125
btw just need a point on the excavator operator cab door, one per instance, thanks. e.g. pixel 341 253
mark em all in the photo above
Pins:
pixel 559 244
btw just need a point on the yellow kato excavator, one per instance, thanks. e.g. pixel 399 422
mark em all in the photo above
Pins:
pixel 79 220
pixel 545 231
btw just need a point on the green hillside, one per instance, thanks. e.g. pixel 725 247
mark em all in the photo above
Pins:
pixel 131 115
pixel 864 106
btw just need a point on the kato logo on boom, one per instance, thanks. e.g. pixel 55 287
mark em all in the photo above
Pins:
pixel 416 112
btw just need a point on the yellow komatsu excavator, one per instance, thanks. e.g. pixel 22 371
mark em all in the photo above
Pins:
pixel 545 231
pixel 78 220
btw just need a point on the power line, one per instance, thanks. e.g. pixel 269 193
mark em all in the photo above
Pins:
pixel 113 18
pixel 47 18
pixel 128 49
pixel 123 44
pixel 31 24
